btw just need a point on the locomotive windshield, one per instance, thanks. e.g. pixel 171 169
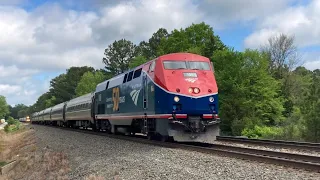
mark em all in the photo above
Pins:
pixel 175 64
pixel 193 65
pixel 199 65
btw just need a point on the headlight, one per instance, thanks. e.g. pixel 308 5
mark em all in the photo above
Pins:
pixel 190 90
pixel 211 99
pixel 196 90
pixel 176 99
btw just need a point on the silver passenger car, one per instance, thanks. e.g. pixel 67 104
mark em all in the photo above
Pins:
pixel 46 114
pixel 41 115
pixel 57 112
pixel 79 108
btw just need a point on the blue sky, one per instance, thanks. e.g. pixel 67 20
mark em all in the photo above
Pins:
pixel 41 39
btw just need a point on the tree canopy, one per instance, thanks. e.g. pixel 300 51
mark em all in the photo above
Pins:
pixel 89 81
pixel 118 56
pixel 4 108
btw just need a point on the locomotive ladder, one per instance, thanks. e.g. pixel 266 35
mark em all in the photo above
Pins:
pixel 145 123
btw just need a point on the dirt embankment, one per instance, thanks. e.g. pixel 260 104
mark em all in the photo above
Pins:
pixel 30 162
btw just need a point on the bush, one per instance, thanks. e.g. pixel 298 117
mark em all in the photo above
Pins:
pixel 13 125
pixel 263 132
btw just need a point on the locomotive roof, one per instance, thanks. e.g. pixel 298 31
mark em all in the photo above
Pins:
pixel 117 80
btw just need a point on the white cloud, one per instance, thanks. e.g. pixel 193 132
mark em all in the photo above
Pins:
pixel 312 65
pixel 301 21
pixel 137 20
pixel 6 89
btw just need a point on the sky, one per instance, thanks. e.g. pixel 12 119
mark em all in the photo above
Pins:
pixel 40 39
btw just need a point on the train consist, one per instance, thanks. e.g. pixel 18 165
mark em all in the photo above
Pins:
pixel 25 119
pixel 174 96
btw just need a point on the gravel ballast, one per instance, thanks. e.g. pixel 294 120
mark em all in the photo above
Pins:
pixel 92 155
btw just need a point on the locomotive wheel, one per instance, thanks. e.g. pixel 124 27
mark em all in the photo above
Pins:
pixel 108 127
pixel 151 136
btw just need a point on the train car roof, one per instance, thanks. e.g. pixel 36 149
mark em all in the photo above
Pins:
pixel 79 100
pixel 47 110
pixel 58 106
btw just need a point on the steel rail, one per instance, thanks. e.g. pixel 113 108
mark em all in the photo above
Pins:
pixel 275 143
pixel 285 159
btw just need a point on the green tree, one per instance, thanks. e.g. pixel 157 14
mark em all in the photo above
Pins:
pixel 199 36
pixel 22 113
pixel 4 108
pixel 283 57
pixel 63 87
pixel 149 49
pixel 118 56
pixel 14 111
pixel 137 61
pixel 248 94
pixel 89 81
pixel 312 131
pixel 42 102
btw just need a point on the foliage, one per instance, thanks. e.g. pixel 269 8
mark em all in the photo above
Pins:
pixel 89 81
pixel 2 163
pixel 265 132
pixel 312 122
pixel 13 125
pixel 14 111
pixel 63 87
pixel 248 94
pixel 4 108
pixel 137 61
pixel 200 36
pixel 149 49
pixel 118 56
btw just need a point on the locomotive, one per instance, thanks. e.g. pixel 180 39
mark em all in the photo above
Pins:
pixel 25 119
pixel 172 97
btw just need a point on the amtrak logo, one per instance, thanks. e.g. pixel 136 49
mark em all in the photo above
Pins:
pixel 192 80
pixel 134 95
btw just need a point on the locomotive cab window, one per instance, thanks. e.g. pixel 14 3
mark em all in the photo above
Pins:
pixel 137 73
pixel 198 65
pixel 130 76
pixel 125 78
pixel 152 66
pixel 107 85
pixel 175 64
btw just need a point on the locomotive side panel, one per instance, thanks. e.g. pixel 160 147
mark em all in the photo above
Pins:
pixel 129 98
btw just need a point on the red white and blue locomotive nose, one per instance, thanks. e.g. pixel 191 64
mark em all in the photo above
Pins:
pixel 191 83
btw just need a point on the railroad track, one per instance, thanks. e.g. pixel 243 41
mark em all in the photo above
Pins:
pixel 299 161
pixel 274 143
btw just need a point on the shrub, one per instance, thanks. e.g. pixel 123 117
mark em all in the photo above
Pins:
pixel 13 125
pixel 263 132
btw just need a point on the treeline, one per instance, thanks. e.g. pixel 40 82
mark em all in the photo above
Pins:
pixel 262 93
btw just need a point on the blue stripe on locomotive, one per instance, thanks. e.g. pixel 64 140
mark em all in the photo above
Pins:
pixel 164 103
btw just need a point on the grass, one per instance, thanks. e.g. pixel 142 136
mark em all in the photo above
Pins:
pixel 2 163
